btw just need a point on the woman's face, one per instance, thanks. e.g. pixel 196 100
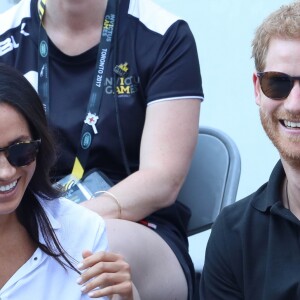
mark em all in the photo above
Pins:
pixel 13 180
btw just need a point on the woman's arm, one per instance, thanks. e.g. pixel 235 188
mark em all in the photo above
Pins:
pixel 168 141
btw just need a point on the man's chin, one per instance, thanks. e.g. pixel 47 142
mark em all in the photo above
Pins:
pixel 293 159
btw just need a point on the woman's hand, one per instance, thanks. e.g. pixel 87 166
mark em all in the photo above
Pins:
pixel 105 274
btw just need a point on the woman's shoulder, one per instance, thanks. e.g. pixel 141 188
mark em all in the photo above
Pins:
pixel 152 15
pixel 13 17
pixel 75 226
pixel 64 210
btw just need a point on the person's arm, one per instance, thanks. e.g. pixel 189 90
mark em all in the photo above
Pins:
pixel 170 130
pixel 219 277
pixel 168 141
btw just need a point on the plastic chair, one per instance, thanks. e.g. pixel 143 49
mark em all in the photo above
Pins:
pixel 210 185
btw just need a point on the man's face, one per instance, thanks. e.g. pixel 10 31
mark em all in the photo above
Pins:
pixel 281 118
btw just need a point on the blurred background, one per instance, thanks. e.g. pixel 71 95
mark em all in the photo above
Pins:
pixel 223 30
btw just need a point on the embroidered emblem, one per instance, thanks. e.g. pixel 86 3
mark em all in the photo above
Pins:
pixel 121 69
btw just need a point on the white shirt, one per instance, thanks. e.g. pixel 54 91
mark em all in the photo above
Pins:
pixel 42 277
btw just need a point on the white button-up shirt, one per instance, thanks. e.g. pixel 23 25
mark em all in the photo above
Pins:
pixel 42 277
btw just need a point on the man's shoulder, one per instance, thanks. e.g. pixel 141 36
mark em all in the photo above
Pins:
pixel 242 213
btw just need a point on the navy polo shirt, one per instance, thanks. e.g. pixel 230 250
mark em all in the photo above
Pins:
pixel 161 60
pixel 254 250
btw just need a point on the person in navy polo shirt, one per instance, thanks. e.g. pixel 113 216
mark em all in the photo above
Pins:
pixel 254 250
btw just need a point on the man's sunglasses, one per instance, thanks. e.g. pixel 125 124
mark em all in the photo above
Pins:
pixel 21 154
pixel 276 85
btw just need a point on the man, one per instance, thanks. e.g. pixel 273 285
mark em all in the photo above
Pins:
pixel 254 248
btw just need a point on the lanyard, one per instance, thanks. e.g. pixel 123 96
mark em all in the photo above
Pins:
pixel 89 125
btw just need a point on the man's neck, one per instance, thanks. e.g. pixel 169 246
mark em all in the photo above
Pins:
pixel 291 189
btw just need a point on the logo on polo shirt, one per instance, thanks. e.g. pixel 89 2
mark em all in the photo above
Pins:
pixel 127 85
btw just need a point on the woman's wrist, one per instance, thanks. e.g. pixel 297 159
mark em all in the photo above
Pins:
pixel 114 198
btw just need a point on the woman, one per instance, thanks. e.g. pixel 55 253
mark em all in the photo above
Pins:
pixel 120 82
pixel 41 238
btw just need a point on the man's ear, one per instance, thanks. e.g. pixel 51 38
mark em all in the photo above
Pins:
pixel 257 89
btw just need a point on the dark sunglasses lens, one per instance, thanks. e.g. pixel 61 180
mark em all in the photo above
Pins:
pixel 22 154
pixel 276 86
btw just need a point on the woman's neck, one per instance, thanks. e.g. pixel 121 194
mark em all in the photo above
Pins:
pixel 74 26
pixel 8 223
pixel 16 247
pixel 74 14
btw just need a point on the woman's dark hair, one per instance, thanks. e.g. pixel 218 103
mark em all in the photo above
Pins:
pixel 16 91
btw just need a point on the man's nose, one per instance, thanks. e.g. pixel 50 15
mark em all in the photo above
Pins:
pixel 292 102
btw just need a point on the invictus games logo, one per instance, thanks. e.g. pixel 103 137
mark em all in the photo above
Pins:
pixel 43 49
pixel 108 27
pixel 125 86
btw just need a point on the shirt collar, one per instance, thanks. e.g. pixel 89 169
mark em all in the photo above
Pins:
pixel 49 208
pixel 270 194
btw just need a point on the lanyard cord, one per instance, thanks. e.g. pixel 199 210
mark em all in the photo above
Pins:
pixel 115 81
pixel 89 126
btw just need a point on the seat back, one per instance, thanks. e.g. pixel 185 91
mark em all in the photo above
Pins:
pixel 213 178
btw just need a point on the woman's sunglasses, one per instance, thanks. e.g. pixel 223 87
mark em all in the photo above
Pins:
pixel 276 85
pixel 21 154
